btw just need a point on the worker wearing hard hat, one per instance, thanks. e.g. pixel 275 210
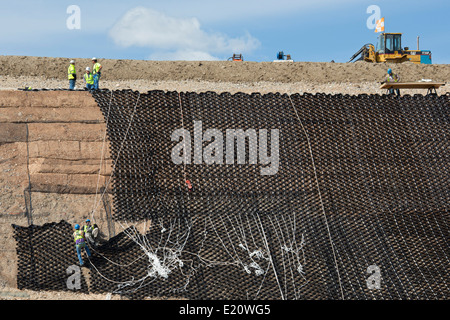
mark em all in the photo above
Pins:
pixel 89 79
pixel 80 243
pixel 72 74
pixel 392 77
pixel 91 232
pixel 97 72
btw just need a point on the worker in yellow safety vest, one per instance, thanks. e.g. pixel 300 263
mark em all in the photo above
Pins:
pixel 97 71
pixel 89 79
pixel 91 232
pixel 392 77
pixel 72 74
pixel 80 242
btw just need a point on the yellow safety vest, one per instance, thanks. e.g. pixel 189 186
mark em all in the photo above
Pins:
pixel 393 78
pixel 87 228
pixel 96 67
pixel 78 236
pixel 89 78
pixel 71 72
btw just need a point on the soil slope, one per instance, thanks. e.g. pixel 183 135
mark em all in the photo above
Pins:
pixel 219 76
pixel 55 139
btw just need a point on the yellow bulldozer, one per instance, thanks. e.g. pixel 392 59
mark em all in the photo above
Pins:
pixel 389 49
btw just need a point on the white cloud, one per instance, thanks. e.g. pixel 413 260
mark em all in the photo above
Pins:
pixel 176 38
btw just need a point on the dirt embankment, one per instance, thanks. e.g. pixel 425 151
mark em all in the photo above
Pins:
pixel 52 141
pixel 219 76
pixel 221 71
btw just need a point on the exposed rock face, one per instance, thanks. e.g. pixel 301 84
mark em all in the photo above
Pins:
pixel 62 133
pixel 53 142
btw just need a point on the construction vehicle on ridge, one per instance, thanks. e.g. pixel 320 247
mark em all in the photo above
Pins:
pixel 283 57
pixel 236 57
pixel 389 49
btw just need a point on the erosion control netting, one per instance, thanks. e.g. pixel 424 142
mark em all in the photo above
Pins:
pixel 47 258
pixel 330 196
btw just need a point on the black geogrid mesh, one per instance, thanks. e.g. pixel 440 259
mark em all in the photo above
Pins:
pixel 45 255
pixel 362 181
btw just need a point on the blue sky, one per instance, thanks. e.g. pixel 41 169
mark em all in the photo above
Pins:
pixel 321 30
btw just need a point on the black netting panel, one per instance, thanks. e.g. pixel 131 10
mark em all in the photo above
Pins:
pixel 362 184
pixel 45 255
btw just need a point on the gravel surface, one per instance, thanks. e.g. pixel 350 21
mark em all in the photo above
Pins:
pixel 12 83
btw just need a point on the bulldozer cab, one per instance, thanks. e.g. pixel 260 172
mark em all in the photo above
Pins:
pixel 389 43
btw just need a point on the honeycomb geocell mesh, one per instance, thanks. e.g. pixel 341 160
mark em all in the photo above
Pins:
pixel 47 259
pixel 277 196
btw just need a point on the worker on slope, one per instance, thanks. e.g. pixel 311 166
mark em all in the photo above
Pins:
pixel 80 242
pixel 392 77
pixel 91 232
pixel 97 71
pixel 72 74
pixel 89 79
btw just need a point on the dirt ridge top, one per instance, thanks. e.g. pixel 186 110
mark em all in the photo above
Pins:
pixel 221 71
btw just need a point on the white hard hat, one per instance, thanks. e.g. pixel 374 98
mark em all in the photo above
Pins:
pixel 94 58
pixel 88 69
pixel 72 61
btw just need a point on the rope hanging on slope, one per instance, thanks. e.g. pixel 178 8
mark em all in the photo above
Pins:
pixel 320 195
